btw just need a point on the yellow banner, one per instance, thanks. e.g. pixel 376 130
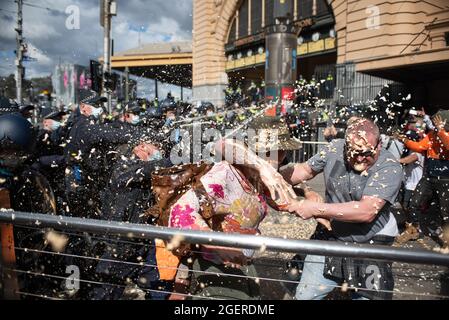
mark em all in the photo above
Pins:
pixel 239 63
pixel 249 61
pixel 230 65
pixel 260 58
pixel 316 46
pixel 302 49
pixel 329 43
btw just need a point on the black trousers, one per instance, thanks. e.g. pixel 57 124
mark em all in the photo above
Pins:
pixel 427 189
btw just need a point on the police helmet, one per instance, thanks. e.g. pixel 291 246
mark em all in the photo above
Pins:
pixel 16 133
pixel 168 105
pixel 205 106
pixel 153 112
pixel 133 107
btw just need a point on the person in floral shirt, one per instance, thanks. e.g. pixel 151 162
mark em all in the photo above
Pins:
pixel 240 194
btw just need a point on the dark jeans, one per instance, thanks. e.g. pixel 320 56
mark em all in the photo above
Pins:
pixel 424 192
pixel 407 197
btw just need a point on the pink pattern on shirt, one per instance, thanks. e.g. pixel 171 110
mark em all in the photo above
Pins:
pixel 182 218
pixel 218 190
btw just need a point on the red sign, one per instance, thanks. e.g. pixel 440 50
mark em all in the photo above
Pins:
pixel 288 94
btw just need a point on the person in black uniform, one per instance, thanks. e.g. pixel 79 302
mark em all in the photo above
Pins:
pixel 132 113
pixel 127 198
pixel 26 190
pixel 87 145
pixel 49 158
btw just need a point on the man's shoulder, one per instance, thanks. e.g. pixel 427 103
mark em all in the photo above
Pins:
pixel 335 148
pixel 387 161
pixel 340 143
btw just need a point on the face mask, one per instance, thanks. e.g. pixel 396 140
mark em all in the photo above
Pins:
pixel 209 113
pixel 55 125
pixel 156 156
pixel 135 120
pixel 96 112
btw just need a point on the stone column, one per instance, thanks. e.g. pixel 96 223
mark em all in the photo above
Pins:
pixel 209 61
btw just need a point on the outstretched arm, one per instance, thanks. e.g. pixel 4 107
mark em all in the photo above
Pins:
pixel 363 211
pixel 298 173
pixel 238 154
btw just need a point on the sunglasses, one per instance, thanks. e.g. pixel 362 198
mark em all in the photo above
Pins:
pixel 365 154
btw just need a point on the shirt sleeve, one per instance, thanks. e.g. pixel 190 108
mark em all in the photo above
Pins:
pixel 420 146
pixel 318 161
pixel 385 182
pixel 444 137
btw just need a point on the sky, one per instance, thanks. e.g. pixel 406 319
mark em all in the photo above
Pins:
pixel 50 40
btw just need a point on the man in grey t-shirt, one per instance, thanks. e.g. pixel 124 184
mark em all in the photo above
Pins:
pixel 362 181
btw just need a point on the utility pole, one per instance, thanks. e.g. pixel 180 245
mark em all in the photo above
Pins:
pixel 19 52
pixel 108 9
pixel 126 84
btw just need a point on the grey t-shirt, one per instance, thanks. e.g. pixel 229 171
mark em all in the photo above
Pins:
pixel 383 180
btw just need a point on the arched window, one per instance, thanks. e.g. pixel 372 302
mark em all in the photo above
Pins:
pixel 269 14
pixel 243 19
pixel 253 15
pixel 256 16
pixel 304 9
pixel 232 32
pixel 322 8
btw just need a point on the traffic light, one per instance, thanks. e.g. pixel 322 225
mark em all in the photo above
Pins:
pixel 96 76
pixel 110 81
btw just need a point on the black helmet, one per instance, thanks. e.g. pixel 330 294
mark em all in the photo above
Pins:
pixel 205 106
pixel 168 105
pixel 153 112
pixel 133 107
pixel 16 133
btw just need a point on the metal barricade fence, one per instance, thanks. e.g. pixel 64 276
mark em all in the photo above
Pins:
pixel 308 150
pixel 107 231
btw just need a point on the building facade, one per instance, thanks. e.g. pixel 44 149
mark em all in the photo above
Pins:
pixel 406 41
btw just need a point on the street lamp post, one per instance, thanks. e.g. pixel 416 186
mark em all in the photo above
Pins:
pixel 19 52
pixel 108 9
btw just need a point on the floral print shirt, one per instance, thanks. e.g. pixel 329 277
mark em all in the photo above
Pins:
pixel 232 196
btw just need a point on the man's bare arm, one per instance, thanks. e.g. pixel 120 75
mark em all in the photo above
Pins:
pixel 298 173
pixel 238 154
pixel 409 159
pixel 363 211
